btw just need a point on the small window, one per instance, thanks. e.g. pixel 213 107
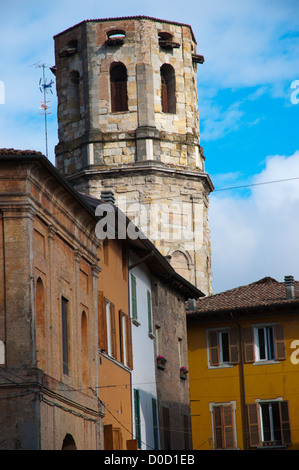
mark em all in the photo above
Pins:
pixel 137 417
pixel 134 298
pixel 269 423
pixel 168 98
pixel 264 343
pixel 149 313
pixel 223 426
pixel 65 345
pixel 118 85
pixel 223 347
pixel 115 37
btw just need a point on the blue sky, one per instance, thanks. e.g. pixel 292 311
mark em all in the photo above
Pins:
pixel 248 121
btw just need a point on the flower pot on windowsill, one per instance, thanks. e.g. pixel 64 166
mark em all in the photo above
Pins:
pixel 161 362
pixel 183 373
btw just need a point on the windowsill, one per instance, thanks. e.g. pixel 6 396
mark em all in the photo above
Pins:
pixel 221 366
pixel 272 447
pixel 263 363
pixel 135 321
pixel 115 361
pixel 151 335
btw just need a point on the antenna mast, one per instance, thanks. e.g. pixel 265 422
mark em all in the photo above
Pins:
pixel 44 88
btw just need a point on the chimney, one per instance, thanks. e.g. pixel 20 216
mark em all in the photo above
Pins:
pixel 108 196
pixel 289 285
pixel 191 304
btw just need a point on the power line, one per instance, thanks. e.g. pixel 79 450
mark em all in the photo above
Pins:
pixel 256 184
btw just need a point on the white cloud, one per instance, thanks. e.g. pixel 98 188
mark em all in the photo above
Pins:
pixel 257 236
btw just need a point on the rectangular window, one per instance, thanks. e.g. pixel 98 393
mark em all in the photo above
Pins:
pixel 223 426
pixel 158 336
pixel 134 297
pixel 223 347
pixel 265 343
pixel 149 313
pixel 65 345
pixel 269 424
pixel 137 417
pixel 108 325
pixel 180 349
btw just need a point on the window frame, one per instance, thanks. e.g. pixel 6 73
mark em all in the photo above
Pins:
pixel 224 426
pixel 218 347
pixel 257 347
pixel 256 426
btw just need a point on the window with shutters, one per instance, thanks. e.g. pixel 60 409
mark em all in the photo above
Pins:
pixel 223 347
pixel 149 314
pixel 269 423
pixel 134 300
pixel 223 423
pixel 264 343
pixel 118 86
pixel 137 417
pixel 168 97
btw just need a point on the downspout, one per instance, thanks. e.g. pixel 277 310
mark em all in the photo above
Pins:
pixel 4 284
pixel 242 383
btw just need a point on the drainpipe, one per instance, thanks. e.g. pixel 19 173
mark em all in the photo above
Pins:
pixel 242 383
pixel 4 283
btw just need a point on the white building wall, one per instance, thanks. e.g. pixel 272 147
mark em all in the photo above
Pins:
pixel 143 374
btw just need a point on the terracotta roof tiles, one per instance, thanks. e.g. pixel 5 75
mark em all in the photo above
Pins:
pixel 260 294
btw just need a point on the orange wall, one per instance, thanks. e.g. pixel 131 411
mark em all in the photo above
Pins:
pixel 114 377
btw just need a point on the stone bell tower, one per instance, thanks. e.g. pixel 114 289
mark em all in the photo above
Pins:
pixel 128 123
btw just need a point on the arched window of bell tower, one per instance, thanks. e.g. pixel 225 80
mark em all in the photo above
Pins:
pixel 168 99
pixel 118 86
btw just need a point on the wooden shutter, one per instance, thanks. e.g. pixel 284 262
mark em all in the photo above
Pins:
pixel 214 348
pixel 113 331
pixel 121 335
pixel 218 442
pixel 134 297
pixel 285 422
pixel 129 342
pixel 280 353
pixel 234 346
pixel 166 428
pixel 253 425
pixel 102 324
pixel 223 427
pixel 248 344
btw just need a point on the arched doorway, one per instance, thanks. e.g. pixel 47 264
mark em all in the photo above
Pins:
pixel 69 443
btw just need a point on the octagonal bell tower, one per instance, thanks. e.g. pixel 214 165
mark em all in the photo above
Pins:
pixel 128 123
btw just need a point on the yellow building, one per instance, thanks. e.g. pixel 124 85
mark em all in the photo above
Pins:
pixel 243 361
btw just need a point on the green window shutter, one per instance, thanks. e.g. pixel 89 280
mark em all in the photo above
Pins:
pixel 137 417
pixel 155 423
pixel 134 297
pixel 149 310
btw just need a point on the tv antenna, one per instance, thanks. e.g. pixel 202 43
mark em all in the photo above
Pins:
pixel 45 88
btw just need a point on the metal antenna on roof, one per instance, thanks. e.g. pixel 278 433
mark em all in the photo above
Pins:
pixel 45 87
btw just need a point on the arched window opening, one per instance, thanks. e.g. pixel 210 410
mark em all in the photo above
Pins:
pixel 69 443
pixel 84 348
pixel 74 95
pixel 40 324
pixel 118 83
pixel 168 98
pixel 115 37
